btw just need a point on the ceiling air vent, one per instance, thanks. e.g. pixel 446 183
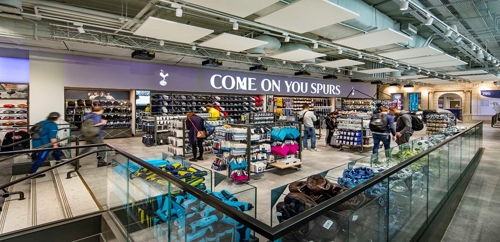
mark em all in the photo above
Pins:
pixel 11 6
pixel 409 29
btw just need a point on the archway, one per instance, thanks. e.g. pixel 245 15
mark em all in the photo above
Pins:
pixel 452 102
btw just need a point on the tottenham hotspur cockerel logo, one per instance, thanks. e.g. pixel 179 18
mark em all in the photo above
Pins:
pixel 163 75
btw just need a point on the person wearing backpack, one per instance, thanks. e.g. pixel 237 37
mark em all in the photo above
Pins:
pixel 308 118
pixel 92 132
pixel 382 126
pixel 404 129
pixel 44 135
pixel 331 125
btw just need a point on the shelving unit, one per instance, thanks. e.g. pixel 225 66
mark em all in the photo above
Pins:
pixel 117 112
pixel 362 104
pixel 439 122
pixel 353 133
pixel 14 120
pixel 261 118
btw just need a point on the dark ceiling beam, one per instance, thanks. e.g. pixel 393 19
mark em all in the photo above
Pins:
pixel 382 3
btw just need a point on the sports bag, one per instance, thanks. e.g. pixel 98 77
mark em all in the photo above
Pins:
pixel 378 123
pixel 88 129
pixel 416 123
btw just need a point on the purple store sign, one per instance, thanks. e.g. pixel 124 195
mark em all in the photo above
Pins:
pixel 86 72
pixel 14 70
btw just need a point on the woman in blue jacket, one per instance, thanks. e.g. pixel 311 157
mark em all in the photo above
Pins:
pixel 195 123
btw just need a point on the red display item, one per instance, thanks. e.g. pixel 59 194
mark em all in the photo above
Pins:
pixel 226 114
pixel 21 123
pixel 22 105
pixel 9 106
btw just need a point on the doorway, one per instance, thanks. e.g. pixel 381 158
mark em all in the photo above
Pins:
pixel 451 102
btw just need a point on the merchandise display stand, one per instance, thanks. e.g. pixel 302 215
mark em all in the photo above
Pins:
pixel 117 112
pixel 14 123
pixel 260 118
pixel 254 148
pixel 354 133
pixel 436 123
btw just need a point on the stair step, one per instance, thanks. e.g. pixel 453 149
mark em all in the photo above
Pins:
pixel 17 214
pixel 49 206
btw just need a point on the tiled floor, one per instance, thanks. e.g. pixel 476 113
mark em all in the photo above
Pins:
pixel 478 215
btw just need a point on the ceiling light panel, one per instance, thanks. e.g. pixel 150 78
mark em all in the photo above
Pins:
pixel 232 42
pixel 456 73
pixel 411 77
pixel 429 59
pixel 302 16
pixel 412 53
pixel 341 63
pixel 480 77
pixel 455 62
pixel 374 39
pixel 240 8
pixel 171 31
pixel 298 55
pixel 379 70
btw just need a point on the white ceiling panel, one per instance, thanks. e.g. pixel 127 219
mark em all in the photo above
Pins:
pixel 411 77
pixel 457 73
pixel 240 8
pixel 232 42
pixel 429 80
pixel 307 15
pixel 298 55
pixel 412 53
pixel 341 63
pixel 171 31
pixel 480 77
pixel 455 62
pixel 373 39
pixel 429 59
pixel 379 70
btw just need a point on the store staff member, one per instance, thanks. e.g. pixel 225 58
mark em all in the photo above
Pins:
pixel 148 108
pixel 214 113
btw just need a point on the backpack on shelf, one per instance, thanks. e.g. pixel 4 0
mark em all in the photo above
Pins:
pixel 378 123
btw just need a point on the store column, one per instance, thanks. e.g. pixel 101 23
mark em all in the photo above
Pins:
pixel 46 85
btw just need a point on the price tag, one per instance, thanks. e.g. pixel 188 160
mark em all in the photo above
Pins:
pixel 328 224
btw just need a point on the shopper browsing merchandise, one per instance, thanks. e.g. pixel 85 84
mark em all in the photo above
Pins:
pixel 214 113
pixel 382 126
pixel 308 118
pixel 92 132
pixel 404 129
pixel 195 124
pixel 377 108
pixel 148 108
pixel 331 125
pixel 47 132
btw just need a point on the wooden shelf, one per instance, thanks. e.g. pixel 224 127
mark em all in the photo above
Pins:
pixel 281 166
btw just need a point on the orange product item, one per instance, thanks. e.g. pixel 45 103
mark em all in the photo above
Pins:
pixel 22 105
pixel 21 123
pixel 7 124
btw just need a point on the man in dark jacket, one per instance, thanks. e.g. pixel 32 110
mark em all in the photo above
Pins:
pixel 385 137
pixel 96 117
pixel 404 129
pixel 331 125
pixel 377 108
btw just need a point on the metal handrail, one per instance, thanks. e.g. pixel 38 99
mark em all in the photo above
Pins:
pixel 26 140
pixel 17 153
pixel 272 233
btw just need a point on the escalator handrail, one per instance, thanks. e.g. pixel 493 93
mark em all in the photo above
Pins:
pixel 26 140
pixel 48 169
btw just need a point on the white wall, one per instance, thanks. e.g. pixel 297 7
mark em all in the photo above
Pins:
pixel 46 85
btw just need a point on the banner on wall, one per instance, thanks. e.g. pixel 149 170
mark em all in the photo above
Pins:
pixel 490 102
pixel 87 72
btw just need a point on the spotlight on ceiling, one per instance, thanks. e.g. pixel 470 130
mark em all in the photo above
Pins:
pixel 408 86
pixel 409 68
pixel 228 53
pixel 284 62
pixel 212 62
pixel 338 70
pixel 404 5
pixel 324 68
pixel 330 77
pixel 380 61
pixel 193 47
pixel 429 20
pixel 315 46
pixel 418 71
pixel 428 73
pixel 287 38
pixel 79 27
pixel 394 84
pixel 340 51
pixel 458 39
pixel 376 82
pixel 259 58
pixel 258 68
pixel 162 42
pixel 474 48
pixel 178 12
pixel 302 73
pixel 480 55
pixel 449 32
pixel 350 73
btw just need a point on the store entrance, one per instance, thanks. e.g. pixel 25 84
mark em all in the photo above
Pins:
pixel 451 102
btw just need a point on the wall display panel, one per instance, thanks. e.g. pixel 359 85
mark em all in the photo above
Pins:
pixel 117 110
pixel 397 100
pixel 85 72
pixel 14 116
pixel 489 103
pixel 414 101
